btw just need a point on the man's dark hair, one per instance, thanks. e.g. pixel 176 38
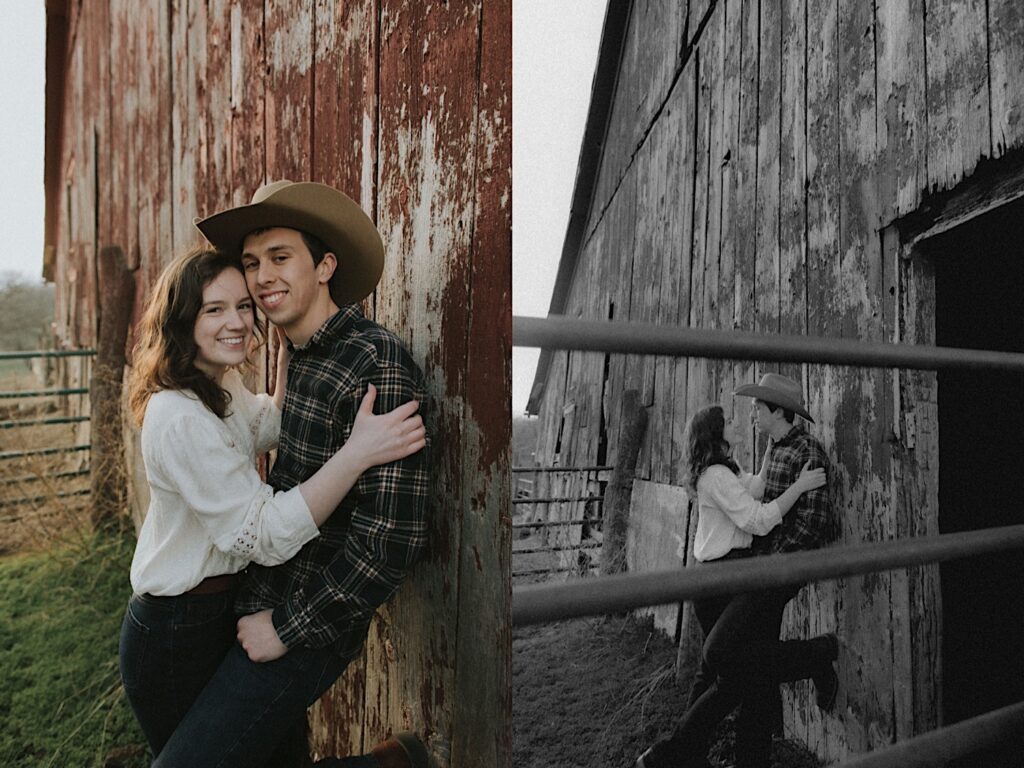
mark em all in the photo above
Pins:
pixel 787 414
pixel 317 247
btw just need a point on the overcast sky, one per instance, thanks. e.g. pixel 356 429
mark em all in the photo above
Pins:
pixel 22 67
pixel 554 53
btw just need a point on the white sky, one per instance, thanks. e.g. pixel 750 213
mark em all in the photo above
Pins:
pixel 22 70
pixel 553 56
pixel 554 51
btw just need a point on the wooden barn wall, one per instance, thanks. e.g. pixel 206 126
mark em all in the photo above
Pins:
pixel 175 109
pixel 756 155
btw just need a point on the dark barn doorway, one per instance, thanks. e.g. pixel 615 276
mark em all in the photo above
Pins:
pixel 979 303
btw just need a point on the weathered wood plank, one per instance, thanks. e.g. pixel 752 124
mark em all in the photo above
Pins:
pixel 823 200
pixel 712 51
pixel 248 91
pixel 858 289
pixel 344 105
pixel 484 679
pixel 216 194
pixel 288 114
pixel 657 539
pixel 188 126
pixel 124 90
pixel 681 271
pixel 901 115
pixel 916 420
pixel 801 620
pixel 700 376
pixel 959 125
pixel 661 221
pixel 153 149
pixel 769 115
pixel 746 17
pixel 616 241
pixel 1006 62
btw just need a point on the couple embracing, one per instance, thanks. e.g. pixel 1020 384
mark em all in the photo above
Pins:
pixel 250 598
pixel 742 660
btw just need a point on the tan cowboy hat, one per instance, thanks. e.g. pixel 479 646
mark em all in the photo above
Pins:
pixel 319 210
pixel 778 390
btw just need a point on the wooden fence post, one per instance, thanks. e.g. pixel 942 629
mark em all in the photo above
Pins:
pixel 116 298
pixel 620 488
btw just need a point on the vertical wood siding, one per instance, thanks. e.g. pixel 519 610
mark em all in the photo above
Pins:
pixel 756 158
pixel 175 109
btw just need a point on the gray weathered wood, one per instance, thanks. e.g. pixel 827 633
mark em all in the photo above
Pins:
pixel 620 489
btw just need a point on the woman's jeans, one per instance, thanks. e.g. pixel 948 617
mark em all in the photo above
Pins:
pixel 170 647
pixel 743 662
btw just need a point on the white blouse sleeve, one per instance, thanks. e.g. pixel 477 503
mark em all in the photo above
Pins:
pixel 266 423
pixel 753 483
pixel 727 492
pixel 261 414
pixel 220 486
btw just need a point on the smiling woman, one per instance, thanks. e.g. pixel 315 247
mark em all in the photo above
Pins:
pixel 210 513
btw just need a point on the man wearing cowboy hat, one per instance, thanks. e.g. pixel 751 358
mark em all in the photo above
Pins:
pixel 309 255
pixel 778 400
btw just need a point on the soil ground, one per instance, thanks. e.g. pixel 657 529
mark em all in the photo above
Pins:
pixel 597 692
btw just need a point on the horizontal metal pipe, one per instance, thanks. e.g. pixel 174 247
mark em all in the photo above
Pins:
pixel 42 497
pixel 937 747
pixel 30 353
pixel 537 571
pixel 557 498
pixel 538 550
pixel 555 523
pixel 38 422
pixel 43 393
pixel 611 594
pixel 37 478
pixel 650 339
pixel 42 452
pixel 561 469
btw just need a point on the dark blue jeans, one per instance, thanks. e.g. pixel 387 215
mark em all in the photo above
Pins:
pixel 743 662
pixel 170 647
pixel 247 710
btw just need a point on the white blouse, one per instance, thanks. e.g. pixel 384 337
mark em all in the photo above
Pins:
pixel 209 512
pixel 730 512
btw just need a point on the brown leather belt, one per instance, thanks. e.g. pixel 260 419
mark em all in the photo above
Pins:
pixel 213 585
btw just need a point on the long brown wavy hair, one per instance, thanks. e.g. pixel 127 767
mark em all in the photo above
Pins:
pixel 164 357
pixel 705 445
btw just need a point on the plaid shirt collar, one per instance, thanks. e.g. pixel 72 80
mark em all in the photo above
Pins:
pixel 334 328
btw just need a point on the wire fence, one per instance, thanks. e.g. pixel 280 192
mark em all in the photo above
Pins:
pixel 555 602
pixel 38 468
pixel 560 548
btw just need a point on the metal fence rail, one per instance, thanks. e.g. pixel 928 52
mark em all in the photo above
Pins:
pixel 673 341
pixel 43 393
pixel 560 469
pixel 26 354
pixel 40 422
pixel 43 451
pixel 943 744
pixel 541 603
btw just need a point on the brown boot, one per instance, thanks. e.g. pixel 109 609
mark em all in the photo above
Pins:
pixel 403 750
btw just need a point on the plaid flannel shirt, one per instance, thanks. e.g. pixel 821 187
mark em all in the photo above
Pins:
pixel 808 525
pixel 326 595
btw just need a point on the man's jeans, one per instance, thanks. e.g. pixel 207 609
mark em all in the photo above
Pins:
pixel 170 647
pixel 743 662
pixel 248 709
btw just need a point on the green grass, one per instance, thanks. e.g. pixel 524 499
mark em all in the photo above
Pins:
pixel 61 702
